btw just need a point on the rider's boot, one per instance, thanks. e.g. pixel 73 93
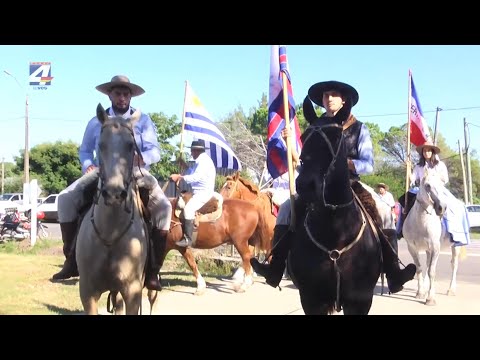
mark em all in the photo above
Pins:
pixel 273 272
pixel 159 241
pixel 396 277
pixel 187 233
pixel 69 269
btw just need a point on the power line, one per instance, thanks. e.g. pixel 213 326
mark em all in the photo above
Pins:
pixel 429 111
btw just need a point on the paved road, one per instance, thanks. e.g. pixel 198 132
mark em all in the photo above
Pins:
pixel 261 299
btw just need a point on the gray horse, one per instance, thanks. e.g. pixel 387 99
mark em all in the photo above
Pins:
pixel 112 239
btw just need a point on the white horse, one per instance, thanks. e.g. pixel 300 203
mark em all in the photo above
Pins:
pixel 112 239
pixel 423 231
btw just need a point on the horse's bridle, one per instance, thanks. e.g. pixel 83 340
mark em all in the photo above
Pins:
pixel 334 153
pixel 234 188
pixel 128 182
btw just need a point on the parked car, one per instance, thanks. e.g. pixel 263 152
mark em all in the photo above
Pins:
pixel 473 215
pixel 49 207
pixel 11 200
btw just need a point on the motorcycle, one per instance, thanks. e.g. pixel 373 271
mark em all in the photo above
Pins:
pixel 15 226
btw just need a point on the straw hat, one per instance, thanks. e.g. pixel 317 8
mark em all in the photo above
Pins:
pixel 428 144
pixel 383 185
pixel 120 80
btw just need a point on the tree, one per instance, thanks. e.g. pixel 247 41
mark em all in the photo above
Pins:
pixel 54 165
pixel 167 128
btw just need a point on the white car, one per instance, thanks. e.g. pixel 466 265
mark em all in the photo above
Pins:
pixel 49 207
pixel 473 215
pixel 11 200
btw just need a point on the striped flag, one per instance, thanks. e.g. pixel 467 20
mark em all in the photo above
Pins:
pixel 419 132
pixel 199 124
pixel 277 163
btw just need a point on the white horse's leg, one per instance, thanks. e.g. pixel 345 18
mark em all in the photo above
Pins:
pixel 432 259
pixel 201 285
pixel 416 259
pixel 454 262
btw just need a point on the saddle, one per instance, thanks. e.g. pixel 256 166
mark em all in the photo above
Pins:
pixel 209 212
pixel 368 202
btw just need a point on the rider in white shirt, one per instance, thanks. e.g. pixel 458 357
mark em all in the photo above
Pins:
pixel 202 180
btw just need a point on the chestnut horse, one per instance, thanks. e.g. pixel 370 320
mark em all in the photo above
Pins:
pixel 240 224
pixel 237 187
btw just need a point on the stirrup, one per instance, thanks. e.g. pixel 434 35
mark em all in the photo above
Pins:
pixel 184 243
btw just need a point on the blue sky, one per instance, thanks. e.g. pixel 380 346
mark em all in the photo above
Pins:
pixel 225 77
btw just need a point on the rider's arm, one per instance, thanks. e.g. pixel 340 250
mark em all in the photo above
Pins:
pixel 364 163
pixel 443 172
pixel 85 152
pixel 150 148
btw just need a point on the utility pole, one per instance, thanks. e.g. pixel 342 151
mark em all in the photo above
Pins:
pixel 467 163
pixel 26 158
pixel 465 192
pixel 3 175
pixel 436 125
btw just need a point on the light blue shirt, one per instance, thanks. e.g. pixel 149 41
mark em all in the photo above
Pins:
pixel 202 175
pixel 145 137
pixel 364 163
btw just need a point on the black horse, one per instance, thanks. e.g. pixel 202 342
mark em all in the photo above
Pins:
pixel 335 259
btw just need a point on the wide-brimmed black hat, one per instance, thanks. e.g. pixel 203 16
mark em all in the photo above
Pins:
pixel 198 144
pixel 120 80
pixel 316 91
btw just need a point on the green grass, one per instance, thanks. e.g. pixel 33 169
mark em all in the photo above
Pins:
pixel 26 288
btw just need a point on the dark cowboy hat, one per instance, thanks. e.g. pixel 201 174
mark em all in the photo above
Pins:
pixel 316 91
pixel 120 80
pixel 383 185
pixel 430 145
pixel 198 144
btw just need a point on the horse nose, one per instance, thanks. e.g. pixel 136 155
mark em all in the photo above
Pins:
pixel 118 194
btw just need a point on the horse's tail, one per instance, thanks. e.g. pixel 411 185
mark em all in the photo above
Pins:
pixel 261 238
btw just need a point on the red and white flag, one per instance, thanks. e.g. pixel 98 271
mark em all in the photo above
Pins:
pixel 419 131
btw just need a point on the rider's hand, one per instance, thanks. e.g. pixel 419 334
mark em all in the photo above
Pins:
pixel 90 169
pixel 175 177
pixel 286 133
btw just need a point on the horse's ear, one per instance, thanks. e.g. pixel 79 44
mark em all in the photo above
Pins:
pixel 309 111
pixel 135 117
pixel 101 113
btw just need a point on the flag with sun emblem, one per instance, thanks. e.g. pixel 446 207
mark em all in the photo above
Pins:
pixel 199 124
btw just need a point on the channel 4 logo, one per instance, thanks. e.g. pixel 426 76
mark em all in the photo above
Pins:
pixel 40 75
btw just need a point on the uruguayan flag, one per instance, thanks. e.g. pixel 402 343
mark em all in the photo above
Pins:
pixel 199 124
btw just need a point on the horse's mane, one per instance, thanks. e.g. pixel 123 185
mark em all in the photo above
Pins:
pixel 247 183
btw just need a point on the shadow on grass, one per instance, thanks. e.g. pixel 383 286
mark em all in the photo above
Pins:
pixel 60 310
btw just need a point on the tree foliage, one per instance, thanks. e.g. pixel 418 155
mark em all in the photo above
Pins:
pixel 54 165
pixel 167 128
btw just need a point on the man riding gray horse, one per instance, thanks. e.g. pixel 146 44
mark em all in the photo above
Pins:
pixel 78 195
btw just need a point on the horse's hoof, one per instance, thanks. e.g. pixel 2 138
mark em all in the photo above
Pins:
pixel 200 291
pixel 420 296
pixel 451 292
pixel 430 302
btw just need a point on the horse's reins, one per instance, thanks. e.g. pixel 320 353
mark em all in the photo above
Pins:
pixel 127 183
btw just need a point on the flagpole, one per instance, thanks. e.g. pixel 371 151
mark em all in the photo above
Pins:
pixel 409 165
pixel 289 152
pixel 181 166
